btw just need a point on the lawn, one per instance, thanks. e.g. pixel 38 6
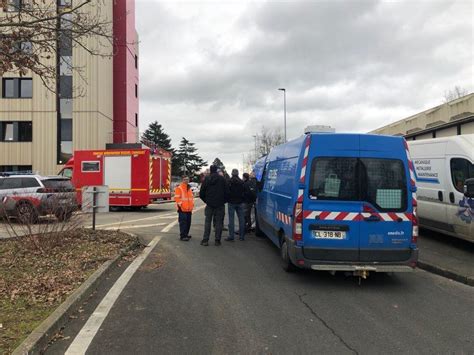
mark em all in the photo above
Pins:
pixel 38 273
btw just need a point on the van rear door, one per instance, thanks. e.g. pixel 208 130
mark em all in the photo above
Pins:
pixel 386 219
pixel 331 209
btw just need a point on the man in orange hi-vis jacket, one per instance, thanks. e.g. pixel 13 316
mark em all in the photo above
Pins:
pixel 183 195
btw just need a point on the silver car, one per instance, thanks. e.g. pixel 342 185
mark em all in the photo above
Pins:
pixel 27 197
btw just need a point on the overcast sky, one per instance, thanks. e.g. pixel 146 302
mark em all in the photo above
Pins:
pixel 210 70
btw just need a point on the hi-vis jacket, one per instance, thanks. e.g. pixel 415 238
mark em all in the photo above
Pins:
pixel 183 195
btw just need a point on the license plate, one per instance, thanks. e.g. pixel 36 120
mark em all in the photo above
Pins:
pixel 329 234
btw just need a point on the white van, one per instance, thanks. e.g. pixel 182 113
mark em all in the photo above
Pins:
pixel 442 165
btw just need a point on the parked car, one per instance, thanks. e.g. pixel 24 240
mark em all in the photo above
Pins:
pixel 27 197
pixel 339 202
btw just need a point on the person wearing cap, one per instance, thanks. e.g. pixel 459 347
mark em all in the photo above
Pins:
pixel 183 195
pixel 236 205
pixel 214 193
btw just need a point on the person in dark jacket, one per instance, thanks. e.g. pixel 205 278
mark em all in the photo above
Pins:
pixel 236 205
pixel 214 193
pixel 250 185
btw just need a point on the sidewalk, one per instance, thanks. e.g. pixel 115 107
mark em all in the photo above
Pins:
pixel 446 256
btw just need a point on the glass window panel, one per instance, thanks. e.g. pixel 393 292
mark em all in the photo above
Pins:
pixel 26 88
pixel 90 166
pixel 25 131
pixel 8 132
pixel 65 66
pixel 461 170
pixel 65 43
pixel 29 182
pixel 26 47
pixel 66 152
pixel 65 107
pixel 8 88
pixel 65 87
pixel 66 130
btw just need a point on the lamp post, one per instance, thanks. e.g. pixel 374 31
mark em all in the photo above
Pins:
pixel 284 110
pixel 255 147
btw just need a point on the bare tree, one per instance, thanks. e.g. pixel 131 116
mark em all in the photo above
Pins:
pixel 31 31
pixel 455 93
pixel 267 139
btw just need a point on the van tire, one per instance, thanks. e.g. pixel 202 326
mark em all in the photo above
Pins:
pixel 286 263
pixel 258 231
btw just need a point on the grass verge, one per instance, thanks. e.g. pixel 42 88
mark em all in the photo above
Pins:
pixel 34 281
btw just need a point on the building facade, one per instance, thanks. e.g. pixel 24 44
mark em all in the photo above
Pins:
pixel 452 118
pixel 40 128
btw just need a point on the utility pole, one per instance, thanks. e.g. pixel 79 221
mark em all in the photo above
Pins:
pixel 284 111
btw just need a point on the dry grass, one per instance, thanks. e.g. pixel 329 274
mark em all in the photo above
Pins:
pixel 35 277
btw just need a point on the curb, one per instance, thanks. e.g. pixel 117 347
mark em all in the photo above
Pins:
pixel 39 338
pixel 446 273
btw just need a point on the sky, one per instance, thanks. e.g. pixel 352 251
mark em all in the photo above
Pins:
pixel 210 70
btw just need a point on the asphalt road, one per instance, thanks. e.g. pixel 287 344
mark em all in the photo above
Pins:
pixel 235 298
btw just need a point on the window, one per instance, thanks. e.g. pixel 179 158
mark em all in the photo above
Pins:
pixel 65 107
pixel 136 90
pixel 66 172
pixel 15 168
pixel 13 5
pixel 58 184
pixel 90 166
pixel 65 2
pixel 461 169
pixel 65 65
pixel 66 130
pixel 29 182
pixel 65 87
pixel 65 43
pixel 381 182
pixel 11 183
pixel 16 131
pixel 13 88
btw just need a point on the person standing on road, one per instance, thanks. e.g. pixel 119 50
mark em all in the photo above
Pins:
pixel 236 205
pixel 250 185
pixel 214 193
pixel 183 195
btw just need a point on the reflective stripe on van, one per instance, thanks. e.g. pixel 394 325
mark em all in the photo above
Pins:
pixel 354 216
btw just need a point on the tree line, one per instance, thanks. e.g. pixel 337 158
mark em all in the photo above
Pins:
pixel 185 160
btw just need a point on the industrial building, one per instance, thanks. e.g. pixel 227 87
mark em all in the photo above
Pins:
pixel 449 119
pixel 94 105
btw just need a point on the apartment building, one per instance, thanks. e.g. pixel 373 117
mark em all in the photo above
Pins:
pixel 449 119
pixel 93 105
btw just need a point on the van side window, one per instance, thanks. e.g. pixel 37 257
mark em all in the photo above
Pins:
pixel 461 169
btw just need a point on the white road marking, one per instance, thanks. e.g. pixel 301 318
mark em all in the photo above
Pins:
pixel 135 226
pixel 83 340
pixel 137 220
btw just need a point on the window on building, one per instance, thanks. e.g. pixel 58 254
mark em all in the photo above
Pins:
pixel 65 87
pixel 136 90
pixel 12 5
pixel 14 88
pixel 65 108
pixel 65 3
pixel 16 131
pixel 65 65
pixel 15 168
pixel 461 170
pixel 66 130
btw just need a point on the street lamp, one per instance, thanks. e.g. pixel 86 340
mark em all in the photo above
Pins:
pixel 255 148
pixel 284 109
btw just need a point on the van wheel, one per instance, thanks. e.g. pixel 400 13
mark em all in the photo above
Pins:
pixel 26 213
pixel 258 231
pixel 286 263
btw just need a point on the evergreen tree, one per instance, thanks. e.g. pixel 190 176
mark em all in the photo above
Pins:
pixel 155 134
pixel 187 160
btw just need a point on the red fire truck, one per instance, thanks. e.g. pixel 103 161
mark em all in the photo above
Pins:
pixel 136 175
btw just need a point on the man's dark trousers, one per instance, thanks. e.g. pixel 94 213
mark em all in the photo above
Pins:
pixel 184 219
pixel 216 213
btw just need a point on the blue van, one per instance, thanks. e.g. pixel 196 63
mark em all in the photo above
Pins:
pixel 340 202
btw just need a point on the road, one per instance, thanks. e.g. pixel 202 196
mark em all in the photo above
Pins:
pixel 186 298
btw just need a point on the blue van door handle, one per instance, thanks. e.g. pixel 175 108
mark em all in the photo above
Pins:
pixel 372 218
